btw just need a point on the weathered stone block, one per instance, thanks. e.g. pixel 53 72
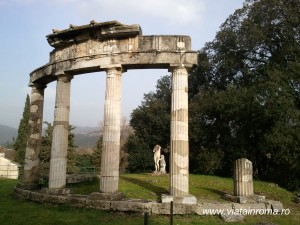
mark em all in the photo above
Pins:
pixel 259 198
pixel 161 208
pixel 212 209
pixel 242 199
pixel 251 206
pixel 77 201
pixel 190 199
pixel 17 192
pixel 179 209
pixel 36 196
pixel 26 194
pixel 276 206
pixel 106 196
pixel 131 206
pixel 55 199
pixel 98 204
pixel 229 217
pixel 190 209
pixel 56 191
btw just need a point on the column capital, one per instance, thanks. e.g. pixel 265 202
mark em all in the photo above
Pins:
pixel 64 77
pixel 175 66
pixel 37 86
pixel 118 67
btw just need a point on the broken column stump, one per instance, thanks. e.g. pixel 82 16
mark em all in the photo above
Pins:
pixel 243 177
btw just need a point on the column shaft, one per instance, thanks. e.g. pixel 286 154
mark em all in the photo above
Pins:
pixel 32 156
pixel 179 180
pixel 58 161
pixel 109 176
pixel 243 177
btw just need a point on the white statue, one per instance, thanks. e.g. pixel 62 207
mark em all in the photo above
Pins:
pixel 162 164
pixel 156 151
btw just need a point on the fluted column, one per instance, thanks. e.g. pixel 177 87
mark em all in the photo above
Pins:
pixel 32 156
pixel 243 177
pixel 109 175
pixel 179 173
pixel 58 161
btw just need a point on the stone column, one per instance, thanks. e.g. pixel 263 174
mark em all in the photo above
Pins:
pixel 179 173
pixel 109 175
pixel 58 161
pixel 31 174
pixel 243 181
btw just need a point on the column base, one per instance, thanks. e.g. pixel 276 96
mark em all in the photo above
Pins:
pixel 28 186
pixel 56 191
pixel 106 196
pixel 245 199
pixel 189 199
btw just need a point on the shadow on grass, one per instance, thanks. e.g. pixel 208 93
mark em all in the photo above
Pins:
pixel 215 192
pixel 147 185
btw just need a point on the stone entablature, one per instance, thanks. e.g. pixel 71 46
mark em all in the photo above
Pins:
pixel 94 30
pixel 91 48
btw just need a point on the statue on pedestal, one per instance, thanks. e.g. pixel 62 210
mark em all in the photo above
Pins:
pixel 156 151
pixel 162 164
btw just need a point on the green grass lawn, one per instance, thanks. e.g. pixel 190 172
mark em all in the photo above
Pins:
pixel 144 186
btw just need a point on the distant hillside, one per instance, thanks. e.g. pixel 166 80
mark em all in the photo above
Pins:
pixel 86 136
pixel 7 134
pixel 85 130
pixel 85 140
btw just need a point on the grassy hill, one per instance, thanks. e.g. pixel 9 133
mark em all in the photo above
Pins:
pixel 147 186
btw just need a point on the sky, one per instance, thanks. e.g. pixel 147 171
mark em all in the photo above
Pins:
pixel 24 25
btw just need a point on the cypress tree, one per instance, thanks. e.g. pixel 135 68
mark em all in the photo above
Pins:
pixel 23 133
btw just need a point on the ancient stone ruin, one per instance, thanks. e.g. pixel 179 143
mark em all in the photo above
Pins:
pixel 243 183
pixel 114 48
pixel 243 177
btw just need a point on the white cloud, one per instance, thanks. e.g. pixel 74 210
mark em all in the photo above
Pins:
pixel 172 11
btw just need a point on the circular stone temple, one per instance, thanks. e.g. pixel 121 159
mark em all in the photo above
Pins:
pixel 114 48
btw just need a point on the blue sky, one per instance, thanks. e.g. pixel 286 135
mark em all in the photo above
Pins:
pixel 25 23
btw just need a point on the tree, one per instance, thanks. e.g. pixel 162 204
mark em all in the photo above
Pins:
pixel 23 133
pixel 151 124
pixel 151 120
pixel 46 145
pixel 140 157
pixel 45 151
pixel 71 157
pixel 97 154
pixel 244 100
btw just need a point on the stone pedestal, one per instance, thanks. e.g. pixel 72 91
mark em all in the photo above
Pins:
pixel 179 160
pixel 188 199
pixel 109 175
pixel 58 161
pixel 32 155
pixel 243 177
